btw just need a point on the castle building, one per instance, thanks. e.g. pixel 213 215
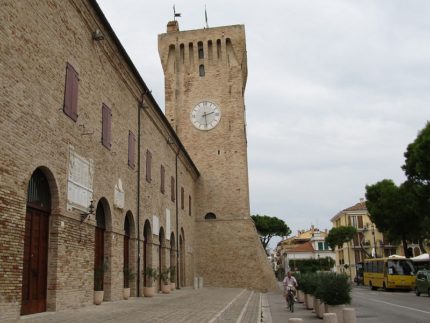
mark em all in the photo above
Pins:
pixel 93 175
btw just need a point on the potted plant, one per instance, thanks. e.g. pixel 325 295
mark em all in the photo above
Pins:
pixel 172 270
pixel 165 281
pixel 335 291
pixel 128 277
pixel 150 276
pixel 99 272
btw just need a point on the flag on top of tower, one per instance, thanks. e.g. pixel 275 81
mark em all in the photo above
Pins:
pixel 175 14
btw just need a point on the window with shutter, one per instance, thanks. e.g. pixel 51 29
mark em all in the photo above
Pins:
pixel 172 189
pixel 106 126
pixel 131 149
pixel 70 107
pixel 182 198
pixel 148 166
pixel 162 171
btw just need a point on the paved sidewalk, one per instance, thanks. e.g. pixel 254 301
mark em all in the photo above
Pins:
pixel 279 312
pixel 184 305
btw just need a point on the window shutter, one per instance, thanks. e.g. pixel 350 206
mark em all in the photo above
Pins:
pixel 71 93
pixel 360 221
pixel 349 220
pixel 131 149
pixel 162 179
pixel 182 198
pixel 106 126
pixel 148 166
pixel 172 189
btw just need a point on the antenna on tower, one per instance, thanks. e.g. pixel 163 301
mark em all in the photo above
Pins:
pixel 206 18
pixel 175 14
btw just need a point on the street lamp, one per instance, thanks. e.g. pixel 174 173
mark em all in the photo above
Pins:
pixel 372 228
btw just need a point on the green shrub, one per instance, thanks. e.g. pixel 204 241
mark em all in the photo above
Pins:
pixel 308 283
pixel 334 289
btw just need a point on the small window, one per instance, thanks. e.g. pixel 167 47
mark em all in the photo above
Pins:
pixel 162 172
pixel 202 70
pixel 148 166
pixel 106 126
pixel 131 149
pixel 210 216
pixel 200 48
pixel 182 198
pixel 172 189
pixel 189 205
pixel 70 107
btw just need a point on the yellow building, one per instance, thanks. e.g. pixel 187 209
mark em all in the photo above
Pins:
pixel 367 243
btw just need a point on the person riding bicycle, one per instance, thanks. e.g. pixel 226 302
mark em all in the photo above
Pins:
pixel 290 282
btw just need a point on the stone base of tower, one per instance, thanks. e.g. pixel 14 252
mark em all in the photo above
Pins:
pixel 229 254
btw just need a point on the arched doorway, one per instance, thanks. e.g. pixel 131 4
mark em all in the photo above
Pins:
pixel 147 250
pixel 99 248
pixel 161 255
pixel 182 275
pixel 36 235
pixel 173 257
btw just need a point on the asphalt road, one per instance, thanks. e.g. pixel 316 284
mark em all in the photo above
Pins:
pixel 390 307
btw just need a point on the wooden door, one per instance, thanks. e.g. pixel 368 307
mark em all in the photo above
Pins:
pixel 35 269
pixel 99 255
pixel 126 260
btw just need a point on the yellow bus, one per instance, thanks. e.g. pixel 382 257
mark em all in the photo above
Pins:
pixel 388 273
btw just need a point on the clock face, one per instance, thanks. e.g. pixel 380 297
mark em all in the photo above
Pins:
pixel 205 115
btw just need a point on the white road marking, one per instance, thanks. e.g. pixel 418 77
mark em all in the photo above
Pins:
pixel 396 305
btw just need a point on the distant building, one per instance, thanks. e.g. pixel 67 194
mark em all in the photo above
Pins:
pixel 307 244
pixel 367 243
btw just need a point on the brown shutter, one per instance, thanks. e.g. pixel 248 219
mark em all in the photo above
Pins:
pixel 172 189
pixel 189 205
pixel 106 126
pixel 182 198
pixel 148 166
pixel 131 149
pixel 162 179
pixel 71 93
pixel 349 220
pixel 360 221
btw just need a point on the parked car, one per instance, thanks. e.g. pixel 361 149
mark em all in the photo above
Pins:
pixel 423 282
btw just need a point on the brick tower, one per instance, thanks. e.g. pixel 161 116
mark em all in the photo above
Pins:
pixel 205 77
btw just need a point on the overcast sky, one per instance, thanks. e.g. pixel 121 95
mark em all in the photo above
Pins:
pixel 336 91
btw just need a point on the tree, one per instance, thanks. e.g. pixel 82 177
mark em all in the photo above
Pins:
pixel 397 211
pixel 417 163
pixel 338 236
pixel 269 227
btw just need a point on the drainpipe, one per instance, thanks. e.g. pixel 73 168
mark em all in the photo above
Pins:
pixel 177 219
pixel 138 198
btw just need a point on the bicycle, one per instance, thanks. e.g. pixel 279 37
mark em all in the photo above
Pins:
pixel 290 298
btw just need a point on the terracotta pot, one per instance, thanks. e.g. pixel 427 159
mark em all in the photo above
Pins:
pixel 165 288
pixel 126 293
pixel 98 297
pixel 338 309
pixel 172 286
pixel 148 291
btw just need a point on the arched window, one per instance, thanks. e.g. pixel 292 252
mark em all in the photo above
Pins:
pixel 200 49
pixel 210 216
